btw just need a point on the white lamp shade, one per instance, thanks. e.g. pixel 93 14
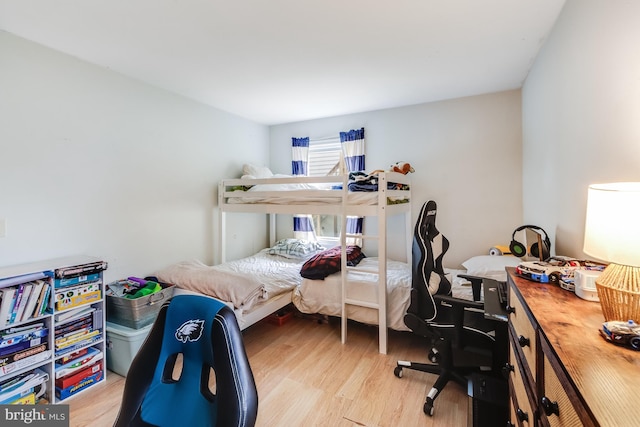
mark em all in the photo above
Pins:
pixel 612 229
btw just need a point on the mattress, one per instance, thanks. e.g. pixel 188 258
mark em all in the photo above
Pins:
pixel 325 296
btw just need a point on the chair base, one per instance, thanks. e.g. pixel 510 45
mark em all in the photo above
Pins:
pixel 444 376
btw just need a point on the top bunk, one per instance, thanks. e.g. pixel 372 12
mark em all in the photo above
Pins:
pixel 378 193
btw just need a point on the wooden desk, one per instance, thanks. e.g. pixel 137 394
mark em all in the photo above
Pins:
pixel 566 361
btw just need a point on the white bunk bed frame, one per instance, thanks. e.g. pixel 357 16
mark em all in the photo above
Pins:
pixel 325 202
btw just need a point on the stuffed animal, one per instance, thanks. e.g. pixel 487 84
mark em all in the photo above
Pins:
pixel 402 167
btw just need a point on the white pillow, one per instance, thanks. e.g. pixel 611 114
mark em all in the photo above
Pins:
pixel 490 266
pixel 256 171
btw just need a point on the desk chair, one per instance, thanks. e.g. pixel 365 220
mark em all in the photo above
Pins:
pixel 462 340
pixel 212 386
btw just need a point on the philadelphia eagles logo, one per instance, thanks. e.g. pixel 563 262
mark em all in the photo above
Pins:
pixel 191 330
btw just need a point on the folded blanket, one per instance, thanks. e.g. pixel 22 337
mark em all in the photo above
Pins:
pixel 241 290
pixel 329 261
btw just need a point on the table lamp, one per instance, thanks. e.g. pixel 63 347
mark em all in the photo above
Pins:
pixel 612 234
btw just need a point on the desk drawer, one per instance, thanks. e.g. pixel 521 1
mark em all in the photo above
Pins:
pixel 522 414
pixel 558 403
pixel 563 412
pixel 524 331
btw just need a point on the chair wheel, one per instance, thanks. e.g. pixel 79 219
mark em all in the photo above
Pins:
pixel 434 356
pixel 428 408
pixel 398 371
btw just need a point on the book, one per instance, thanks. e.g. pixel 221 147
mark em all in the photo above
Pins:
pixel 16 303
pixel 20 385
pixel 80 344
pixel 70 315
pixel 26 332
pixel 76 339
pixel 85 322
pixel 45 301
pixel 8 299
pixel 80 374
pixel 23 342
pixel 81 298
pixel 37 311
pixel 22 354
pixel 24 291
pixel 72 356
pixel 89 357
pixel 63 393
pixel 17 396
pixel 28 399
pixel 78 270
pixel 14 348
pixel 23 363
pixel 32 300
pixel 63 283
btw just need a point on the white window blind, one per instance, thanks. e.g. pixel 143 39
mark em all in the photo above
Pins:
pixel 324 155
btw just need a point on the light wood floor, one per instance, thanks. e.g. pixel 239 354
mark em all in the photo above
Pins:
pixel 306 377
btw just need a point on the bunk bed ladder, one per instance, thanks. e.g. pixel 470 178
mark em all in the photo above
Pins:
pixel 381 237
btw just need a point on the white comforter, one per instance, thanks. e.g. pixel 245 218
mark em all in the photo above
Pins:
pixel 244 282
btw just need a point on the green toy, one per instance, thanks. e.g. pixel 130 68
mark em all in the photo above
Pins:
pixel 148 289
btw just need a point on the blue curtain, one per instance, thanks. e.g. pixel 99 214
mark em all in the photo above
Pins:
pixel 354 225
pixel 302 224
pixel 353 149
pixel 299 155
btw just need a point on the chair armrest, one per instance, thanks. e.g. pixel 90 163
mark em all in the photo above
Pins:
pixel 459 303
pixel 476 284
pixel 456 316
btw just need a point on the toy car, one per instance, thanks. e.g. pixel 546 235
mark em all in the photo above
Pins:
pixel 556 269
pixel 622 333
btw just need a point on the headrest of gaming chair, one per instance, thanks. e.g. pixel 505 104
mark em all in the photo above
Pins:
pixel 187 331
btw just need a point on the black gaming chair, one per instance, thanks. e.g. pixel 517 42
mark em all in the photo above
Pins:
pixel 462 340
pixel 204 333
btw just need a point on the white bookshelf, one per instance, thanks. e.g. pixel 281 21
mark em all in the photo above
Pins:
pixel 65 305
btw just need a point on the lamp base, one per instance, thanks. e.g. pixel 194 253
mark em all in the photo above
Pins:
pixel 619 292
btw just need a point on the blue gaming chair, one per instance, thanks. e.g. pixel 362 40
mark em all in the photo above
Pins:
pixel 205 333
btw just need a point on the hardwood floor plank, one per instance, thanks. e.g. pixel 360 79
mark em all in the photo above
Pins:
pixel 306 377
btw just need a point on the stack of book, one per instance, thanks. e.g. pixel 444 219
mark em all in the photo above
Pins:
pixel 77 290
pixel 23 346
pixel 77 328
pixel 77 371
pixel 23 301
pixel 27 388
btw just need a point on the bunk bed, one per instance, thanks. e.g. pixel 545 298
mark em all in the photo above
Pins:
pixel 329 195
pixel 376 291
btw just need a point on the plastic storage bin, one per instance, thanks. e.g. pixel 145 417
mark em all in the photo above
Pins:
pixel 139 312
pixel 122 345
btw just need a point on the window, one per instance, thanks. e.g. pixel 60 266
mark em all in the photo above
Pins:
pixel 325 158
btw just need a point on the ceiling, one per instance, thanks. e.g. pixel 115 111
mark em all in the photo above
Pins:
pixel 281 61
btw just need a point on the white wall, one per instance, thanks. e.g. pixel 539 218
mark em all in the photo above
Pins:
pixel 95 163
pixel 467 155
pixel 581 110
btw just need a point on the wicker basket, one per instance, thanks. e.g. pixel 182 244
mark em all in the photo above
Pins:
pixel 619 292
